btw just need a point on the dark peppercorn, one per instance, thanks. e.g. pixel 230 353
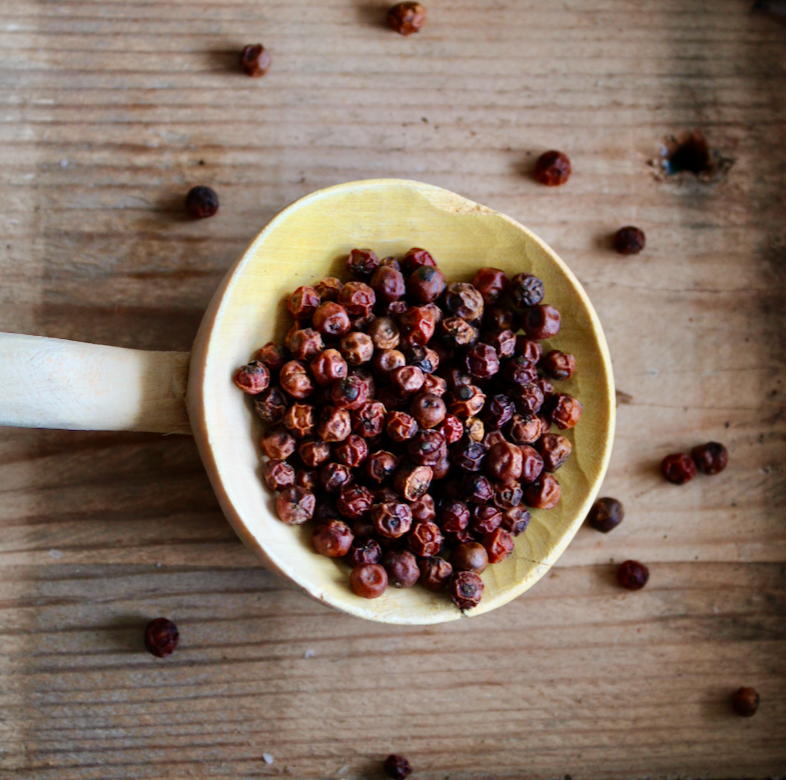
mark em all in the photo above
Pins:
pixel 435 572
pixel 332 539
pixel 503 341
pixel 304 343
pixel 678 468
pixel 406 380
pixel 529 349
pixel 466 401
pixel 455 333
pixel 368 580
pixel 333 424
pixel 302 303
pixel 308 479
pixel 352 451
pixel 466 589
pixel 388 284
pixel 273 356
pixel 349 393
pixel 400 426
pixel 485 519
pixel 453 515
pixel 255 60
pixel 463 300
pixel 606 514
pixel 405 19
pixel 335 476
pixel 632 575
pixel 369 420
pixel 515 520
pixel 427 447
pixel 425 358
pixel 295 505
pixel 278 442
pixel 526 290
pixel 380 465
pixel 552 168
pixel 354 501
pixel 500 318
pixel 278 474
pixel 629 240
pixel 468 455
pixel 386 361
pixel 417 325
pixel 364 550
pixel 490 283
pixel 745 702
pixel 357 298
pixel 384 334
pixel 424 510
pixel 425 284
pixel 482 361
pixel 507 494
pixel 520 371
pixel 504 462
pixel 710 458
pixel 391 519
pixel 541 322
pixel 498 411
pixel 477 489
pixel 402 568
pixel 428 410
pixel 357 348
pixel 531 463
pixel 201 202
pixel 161 637
pixel 328 367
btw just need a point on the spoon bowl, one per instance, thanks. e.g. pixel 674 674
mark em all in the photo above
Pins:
pixel 309 240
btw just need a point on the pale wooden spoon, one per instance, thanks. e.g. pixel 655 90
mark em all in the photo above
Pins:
pixel 50 383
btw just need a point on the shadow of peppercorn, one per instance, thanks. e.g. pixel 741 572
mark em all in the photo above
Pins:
pixel 125 634
pixel 227 59
pixel 171 206
pixel 373 14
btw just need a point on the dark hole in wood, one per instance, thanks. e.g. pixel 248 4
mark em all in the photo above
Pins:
pixel 692 155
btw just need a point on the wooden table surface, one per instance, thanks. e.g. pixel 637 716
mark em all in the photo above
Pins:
pixel 111 111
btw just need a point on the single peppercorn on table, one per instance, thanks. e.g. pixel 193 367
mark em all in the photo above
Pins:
pixel 105 387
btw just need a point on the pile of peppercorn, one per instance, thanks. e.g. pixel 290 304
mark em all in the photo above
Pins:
pixel 411 420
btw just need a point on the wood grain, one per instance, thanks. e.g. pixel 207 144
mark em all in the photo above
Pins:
pixel 107 109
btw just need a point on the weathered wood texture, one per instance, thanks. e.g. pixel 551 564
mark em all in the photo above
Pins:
pixel 110 111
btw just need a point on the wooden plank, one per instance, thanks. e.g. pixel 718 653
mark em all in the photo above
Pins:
pixel 110 111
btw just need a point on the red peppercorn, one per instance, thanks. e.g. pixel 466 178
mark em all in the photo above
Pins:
pixel 161 637
pixel 526 290
pixel 255 60
pixel 406 19
pixel 273 356
pixel 328 289
pixel 503 342
pixel 352 452
pixel 402 568
pixel 466 589
pixel 411 482
pixel 606 514
pixel 678 468
pixel 423 510
pixel 482 361
pixel 417 325
pixel 278 474
pixel 515 520
pixel 552 169
pixel 308 479
pixel 388 284
pixel 362 263
pixel 364 549
pixel 350 393
pixel 554 449
pixel 451 428
pixel 632 575
pixel 710 458
pixel 295 505
pixel 498 411
pixel 477 489
pixel 465 401
pixel 384 334
pixel 332 539
pixel 424 539
pixel 369 420
pixel 335 476
pixel 295 379
pixel 525 429
pixel 354 501
pixel 428 410
pixel 357 298
pixel 253 378
pixel 531 463
pixel 455 333
pixel 416 258
pixel 368 580
pixel 499 545
pixel 328 366
pixel 490 283
pixel 468 455
pixel 435 572
pixel 485 519
pixel 559 365
pixel 278 442
pixel 381 465
pixel 529 349
pixel 333 424
pixel 543 494
pixel 507 494
pixel 406 380
pixel 303 303
pixel 745 702
pixel 505 462
pixel 391 519
pixel 541 322
pixel 427 447
pixel 520 371
pixel 564 410
pixel 629 240
pixel 425 284
pixel 300 420
pixel 400 426
pixel 463 300
pixel 201 202
pixel 271 405
pixel 331 319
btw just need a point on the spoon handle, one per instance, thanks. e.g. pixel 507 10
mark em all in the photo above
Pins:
pixel 53 383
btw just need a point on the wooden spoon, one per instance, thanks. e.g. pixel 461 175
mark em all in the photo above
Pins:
pixel 51 383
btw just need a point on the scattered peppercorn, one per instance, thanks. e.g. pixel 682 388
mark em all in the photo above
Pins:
pixel 406 18
pixel 632 575
pixel 201 202
pixel 552 168
pixel 397 767
pixel 678 468
pixel 629 240
pixel 606 514
pixel 745 702
pixel 710 458
pixel 255 60
pixel 161 637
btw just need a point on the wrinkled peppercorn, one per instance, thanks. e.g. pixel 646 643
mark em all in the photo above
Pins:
pixel 606 514
pixel 520 371
pixel 498 411
pixel 369 420
pixel 455 333
pixel 424 539
pixel 451 428
pixel 485 519
pixel 411 482
pixel 388 284
pixel 352 451
pixel 308 479
pixel 391 519
pixel 328 289
pixel 465 401
pixel 559 365
pixel 300 420
pixel 435 572
pixel 629 240
pixel 406 19
pixel 427 447
pixel 332 539
pixel 710 458
pixel 406 380
pixel 368 580
pixel 271 405
pixel 500 318
pixel 328 366
pixel 349 393
pixel 295 505
pixel 541 322
pixel 381 465
pixel 490 283
pixel 331 319
pixel 552 169
pixel 542 494
pixel 362 263
pixel 357 298
pixel 304 343
pixel 333 424
pixel 357 348
pixel 499 545
pixel 335 476
pixel 507 494
pixel 632 575
pixel 503 342
pixel 428 410
pixel 302 303
pixel 363 550
pixel 400 426
pixel 417 325
pixel 354 501
pixel 463 300
pixel 425 284
pixel 524 429
pixel 384 333
pixel 475 429
pixel 416 258
pixel 424 358
pixel 466 589
pixel 453 515
pixel 295 379
pixel 482 361
pixel 255 60
pixel 423 510
pixel 468 455
pixel 385 361
pixel 554 449
pixel 402 568
pixel 745 702
pixel 278 474
pixel 278 442
pixel 564 410
pixel 515 520
pixel 477 489
pixel 678 468
pixel 531 463
pixel 201 202
pixel 273 356
pixel 161 637
pixel 504 462
pixel 530 349
pixel 253 378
